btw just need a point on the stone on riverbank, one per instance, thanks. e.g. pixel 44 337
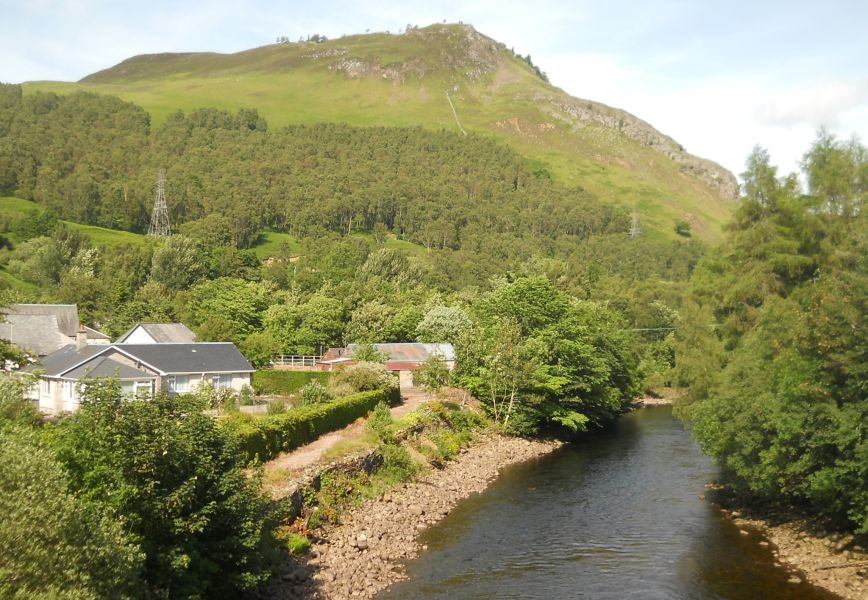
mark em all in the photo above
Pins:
pixel 382 533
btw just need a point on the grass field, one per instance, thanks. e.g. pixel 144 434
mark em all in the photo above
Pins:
pixel 306 83
pixel 270 244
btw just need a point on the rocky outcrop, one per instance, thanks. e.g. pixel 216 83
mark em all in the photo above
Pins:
pixel 363 555
pixel 577 112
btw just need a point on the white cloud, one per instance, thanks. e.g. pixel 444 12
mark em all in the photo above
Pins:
pixel 820 104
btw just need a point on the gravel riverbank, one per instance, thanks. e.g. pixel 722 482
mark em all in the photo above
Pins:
pixel 364 554
pixel 833 561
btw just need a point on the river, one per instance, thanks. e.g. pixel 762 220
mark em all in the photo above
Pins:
pixel 617 515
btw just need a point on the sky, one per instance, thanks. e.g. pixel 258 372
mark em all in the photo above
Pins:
pixel 717 76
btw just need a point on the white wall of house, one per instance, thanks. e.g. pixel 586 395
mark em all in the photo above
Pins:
pixel 56 396
pixel 186 383
pixel 140 336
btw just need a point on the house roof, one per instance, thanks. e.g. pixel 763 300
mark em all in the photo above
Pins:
pixel 105 366
pixel 202 357
pixel 163 332
pixel 66 314
pixel 411 352
pixel 43 328
pixel 64 359
pixel 166 359
pixel 39 334
pixel 93 334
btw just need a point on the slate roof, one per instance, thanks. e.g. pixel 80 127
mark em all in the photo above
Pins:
pixel 64 359
pixel 66 314
pixel 105 366
pixel 38 334
pixel 93 334
pixel 163 333
pixel 43 328
pixel 167 359
pixel 207 357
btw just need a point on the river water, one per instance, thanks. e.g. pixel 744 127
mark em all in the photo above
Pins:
pixel 617 515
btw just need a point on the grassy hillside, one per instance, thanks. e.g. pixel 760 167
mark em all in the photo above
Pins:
pixel 382 79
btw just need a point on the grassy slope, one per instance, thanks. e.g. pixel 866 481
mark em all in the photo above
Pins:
pixel 304 83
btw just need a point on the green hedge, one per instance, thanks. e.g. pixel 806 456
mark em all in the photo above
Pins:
pixel 264 437
pixel 271 381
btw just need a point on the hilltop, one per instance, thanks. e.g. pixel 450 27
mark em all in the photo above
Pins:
pixel 417 78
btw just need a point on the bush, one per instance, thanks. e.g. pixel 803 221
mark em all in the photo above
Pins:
pixel 363 377
pixel 380 422
pixel 432 375
pixel 264 437
pixel 315 393
pixel 297 543
pixel 277 406
pixel 13 407
pixel 178 480
pixel 285 382
pixel 54 544
pixel 398 465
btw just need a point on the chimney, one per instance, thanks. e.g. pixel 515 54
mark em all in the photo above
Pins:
pixel 81 337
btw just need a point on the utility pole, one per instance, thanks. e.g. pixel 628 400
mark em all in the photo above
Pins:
pixel 635 230
pixel 159 226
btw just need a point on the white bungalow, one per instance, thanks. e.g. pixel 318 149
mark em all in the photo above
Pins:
pixel 140 368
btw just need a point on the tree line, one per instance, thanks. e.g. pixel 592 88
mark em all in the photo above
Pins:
pixel 771 338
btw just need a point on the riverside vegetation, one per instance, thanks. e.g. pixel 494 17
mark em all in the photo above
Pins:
pixel 318 235
pixel 771 338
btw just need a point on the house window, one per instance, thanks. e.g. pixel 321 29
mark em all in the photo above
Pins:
pixel 221 381
pixel 179 384
pixel 142 388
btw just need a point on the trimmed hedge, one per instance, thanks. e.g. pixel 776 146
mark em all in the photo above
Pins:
pixel 270 381
pixel 264 437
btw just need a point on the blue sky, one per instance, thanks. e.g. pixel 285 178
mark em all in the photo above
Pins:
pixel 718 76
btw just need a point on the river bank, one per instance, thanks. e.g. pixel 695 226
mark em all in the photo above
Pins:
pixel 832 561
pixel 363 555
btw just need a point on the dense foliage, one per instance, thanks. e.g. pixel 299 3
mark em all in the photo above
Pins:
pixel 773 342
pixel 93 159
pixel 203 525
pixel 55 545
pixel 540 359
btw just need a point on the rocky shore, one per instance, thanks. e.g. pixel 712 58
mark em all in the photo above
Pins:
pixel 364 554
pixel 833 561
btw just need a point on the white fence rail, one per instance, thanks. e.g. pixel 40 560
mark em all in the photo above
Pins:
pixel 288 360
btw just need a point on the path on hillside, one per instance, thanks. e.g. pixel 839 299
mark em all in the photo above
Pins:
pixel 298 460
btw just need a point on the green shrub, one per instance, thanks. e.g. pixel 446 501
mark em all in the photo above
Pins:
pixel 268 381
pixel 380 422
pixel 179 482
pixel 264 437
pixel 363 377
pixel 297 543
pixel 398 465
pixel 277 406
pixel 315 393
pixel 246 397
pixel 432 375
pixel 56 545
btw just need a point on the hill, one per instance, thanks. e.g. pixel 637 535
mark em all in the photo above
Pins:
pixel 441 77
